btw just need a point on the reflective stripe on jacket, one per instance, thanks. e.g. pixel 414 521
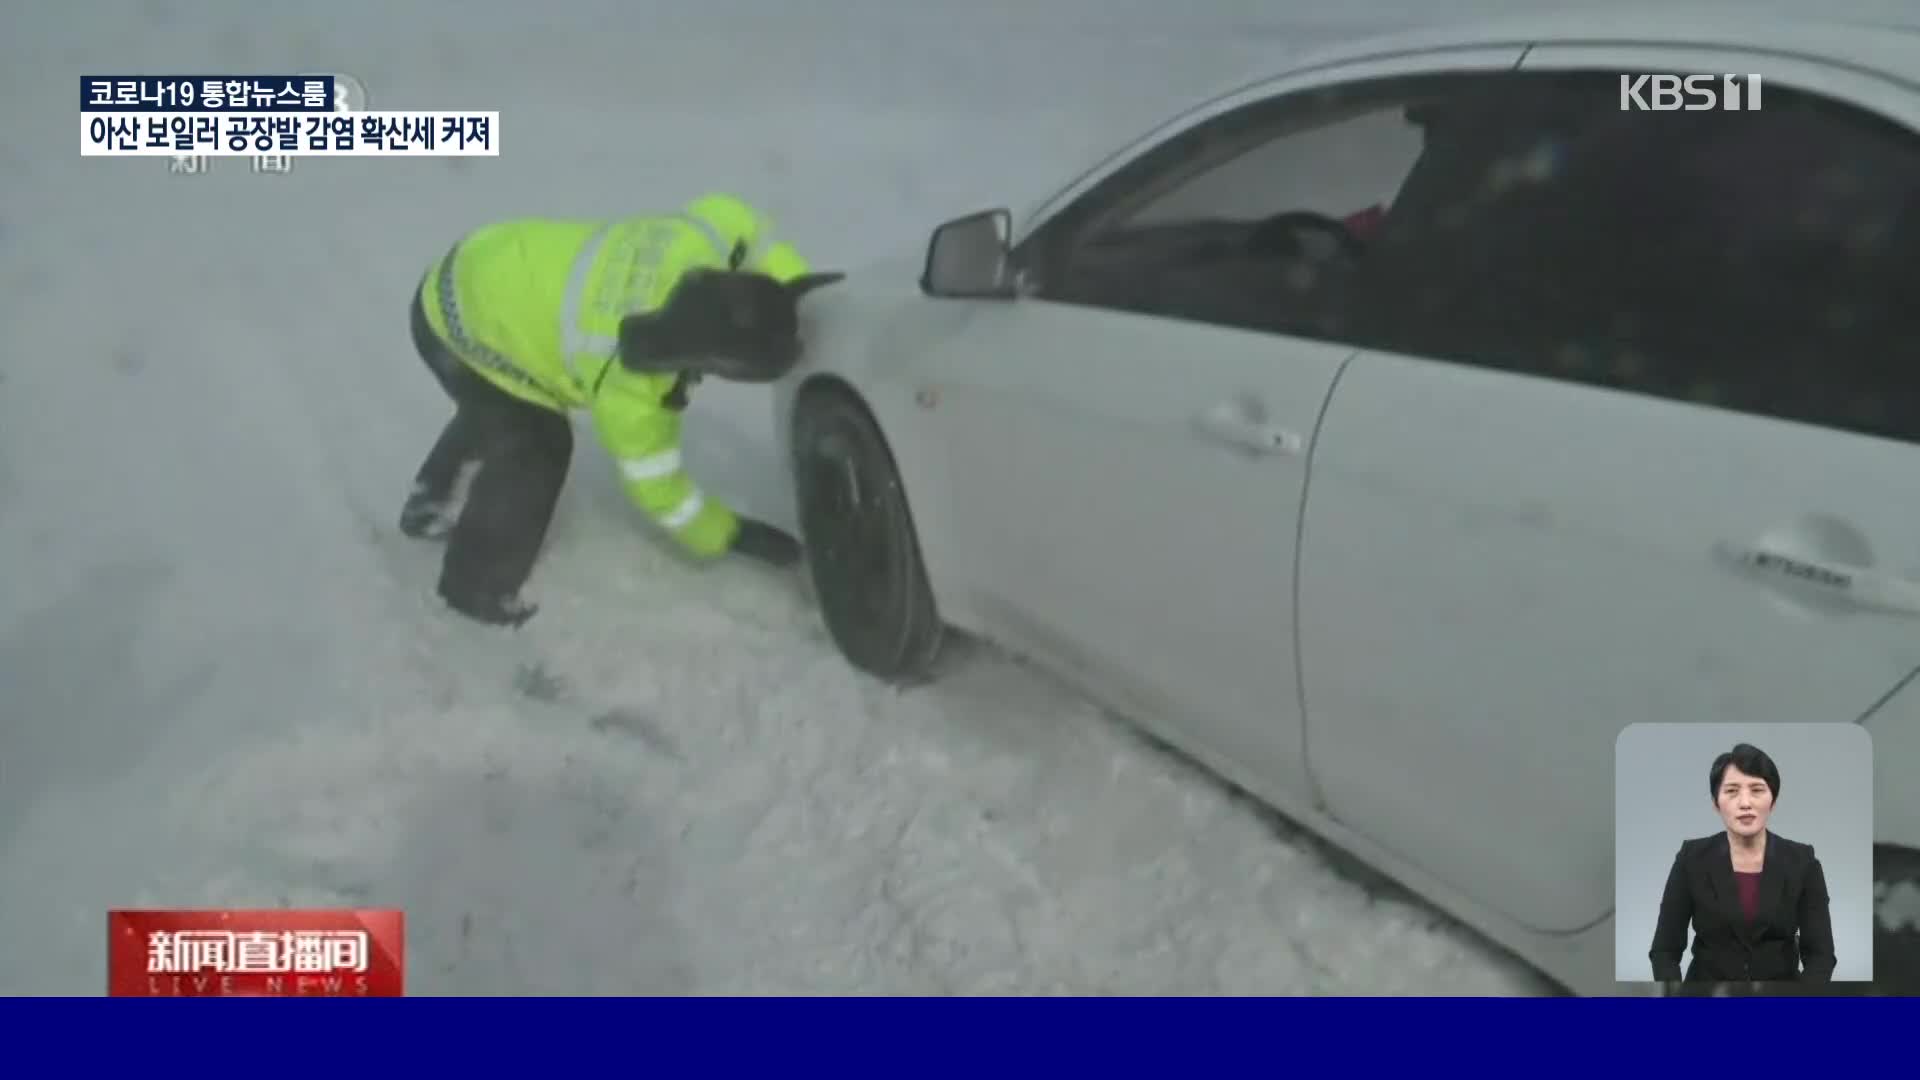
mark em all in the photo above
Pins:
pixel 535 305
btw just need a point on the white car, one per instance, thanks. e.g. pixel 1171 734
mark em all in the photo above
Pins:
pixel 1390 431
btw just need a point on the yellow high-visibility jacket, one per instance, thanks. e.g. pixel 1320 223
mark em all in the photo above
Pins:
pixel 534 305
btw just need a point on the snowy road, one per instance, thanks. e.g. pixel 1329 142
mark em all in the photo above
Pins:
pixel 226 681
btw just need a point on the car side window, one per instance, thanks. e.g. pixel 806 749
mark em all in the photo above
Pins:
pixel 1762 261
pixel 1254 219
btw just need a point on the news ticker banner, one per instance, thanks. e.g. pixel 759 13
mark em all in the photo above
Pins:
pixel 689 1028
pixel 346 952
pixel 192 117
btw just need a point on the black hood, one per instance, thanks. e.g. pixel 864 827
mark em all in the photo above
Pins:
pixel 730 324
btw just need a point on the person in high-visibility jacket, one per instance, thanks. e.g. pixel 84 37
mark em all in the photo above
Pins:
pixel 526 321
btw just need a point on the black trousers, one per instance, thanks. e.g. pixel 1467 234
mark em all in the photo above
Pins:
pixel 523 451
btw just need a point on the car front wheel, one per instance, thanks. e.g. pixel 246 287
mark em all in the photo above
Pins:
pixel 1896 922
pixel 862 551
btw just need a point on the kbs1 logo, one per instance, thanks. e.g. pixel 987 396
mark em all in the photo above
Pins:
pixel 265 953
pixel 1689 93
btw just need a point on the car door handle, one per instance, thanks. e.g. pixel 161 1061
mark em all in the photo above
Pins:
pixel 1855 584
pixel 1230 423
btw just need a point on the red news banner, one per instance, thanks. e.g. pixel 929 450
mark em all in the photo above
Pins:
pixel 266 953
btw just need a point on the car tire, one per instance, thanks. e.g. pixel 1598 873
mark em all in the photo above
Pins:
pixel 1896 922
pixel 863 554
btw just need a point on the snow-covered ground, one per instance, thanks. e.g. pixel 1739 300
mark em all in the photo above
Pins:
pixel 224 679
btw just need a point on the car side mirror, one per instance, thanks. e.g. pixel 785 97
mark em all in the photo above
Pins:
pixel 971 257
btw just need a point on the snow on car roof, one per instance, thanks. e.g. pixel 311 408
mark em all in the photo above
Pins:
pixel 1873 34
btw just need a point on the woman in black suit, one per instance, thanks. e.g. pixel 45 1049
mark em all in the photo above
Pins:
pixel 1757 901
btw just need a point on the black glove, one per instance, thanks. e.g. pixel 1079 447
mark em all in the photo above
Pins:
pixel 759 540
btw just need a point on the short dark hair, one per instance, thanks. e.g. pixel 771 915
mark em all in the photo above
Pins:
pixel 1749 759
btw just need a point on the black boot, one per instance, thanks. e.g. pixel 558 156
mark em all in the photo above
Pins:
pixel 432 504
pixel 425 516
pixel 492 609
pixel 493 546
